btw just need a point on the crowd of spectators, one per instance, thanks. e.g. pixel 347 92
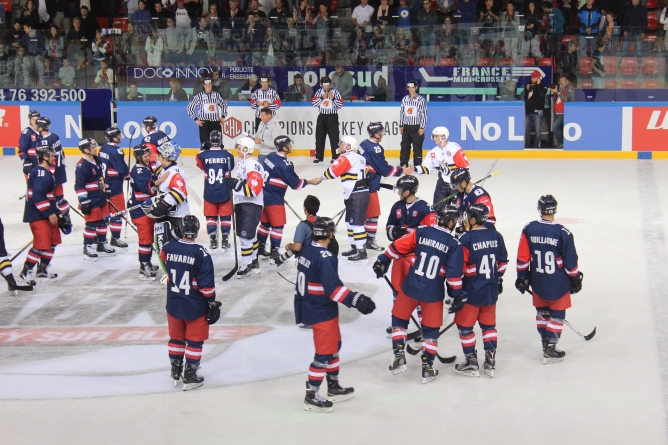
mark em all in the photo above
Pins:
pixel 62 43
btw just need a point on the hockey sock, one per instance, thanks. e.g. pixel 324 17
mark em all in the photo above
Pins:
pixel 467 338
pixel 359 236
pixel 89 232
pixel 145 253
pixel 488 336
pixel 318 369
pixel 430 343
pixel 246 251
pixel 276 237
pixel 33 258
pixel 101 232
pixel 555 325
pixel 333 367
pixel 47 256
pixel 371 227
pixel 542 317
pixel 225 224
pixel 211 225
pixel 5 266
pixel 115 226
pixel 176 349
pixel 263 232
pixel 256 247
pixel 351 239
pixel 399 336
pixel 418 309
pixel 194 352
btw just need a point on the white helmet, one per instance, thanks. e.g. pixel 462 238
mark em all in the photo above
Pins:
pixel 440 131
pixel 169 150
pixel 245 145
pixel 348 141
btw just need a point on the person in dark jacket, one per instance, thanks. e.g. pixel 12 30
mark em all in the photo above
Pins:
pixel 635 25
pixel 534 105
pixel 589 17
pixel 176 93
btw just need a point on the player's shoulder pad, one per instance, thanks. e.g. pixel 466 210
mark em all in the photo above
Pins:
pixel 204 251
pixel 120 151
pixel 527 225
pixel 25 130
pixel 568 232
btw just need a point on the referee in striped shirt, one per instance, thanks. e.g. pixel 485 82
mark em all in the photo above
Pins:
pixel 211 110
pixel 263 97
pixel 328 101
pixel 412 122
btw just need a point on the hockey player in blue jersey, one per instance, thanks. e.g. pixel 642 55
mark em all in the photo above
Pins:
pixel 116 171
pixel 281 175
pixel 28 143
pixel 90 188
pixel 191 302
pixel 547 266
pixel 154 136
pixel 217 164
pixel 52 140
pixel 318 292
pixel 374 153
pixel 468 193
pixel 438 258
pixel 485 262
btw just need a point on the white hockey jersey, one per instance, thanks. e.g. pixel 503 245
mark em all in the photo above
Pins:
pixel 176 193
pixel 252 191
pixel 443 160
pixel 351 168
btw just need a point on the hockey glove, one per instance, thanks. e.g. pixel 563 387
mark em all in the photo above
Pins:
pixel 363 304
pixel 522 284
pixel 457 303
pixel 500 285
pixel 283 258
pixel 214 312
pixel 576 283
pixel 86 206
pixel 381 267
pixel 234 183
pixel 158 209
pixel 27 166
pixel 65 223
pixel 397 232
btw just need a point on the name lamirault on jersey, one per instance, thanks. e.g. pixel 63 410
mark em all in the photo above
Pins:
pixel 433 243
pixel 180 258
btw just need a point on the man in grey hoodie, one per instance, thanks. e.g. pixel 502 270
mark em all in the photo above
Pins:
pixel 267 130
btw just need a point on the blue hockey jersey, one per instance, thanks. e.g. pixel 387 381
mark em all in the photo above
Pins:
pixel 40 198
pixel 191 285
pixel 485 260
pixel 478 195
pixel 53 141
pixel 281 176
pixel 157 138
pixel 27 143
pixel 378 167
pixel 217 164
pixel 410 215
pixel 88 182
pixel 141 182
pixel 319 288
pixel 547 252
pixel 437 257
pixel 115 170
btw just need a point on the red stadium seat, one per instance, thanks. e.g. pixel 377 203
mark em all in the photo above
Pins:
pixel 650 43
pixel 506 61
pixel 568 38
pixel 610 64
pixel 650 84
pixel 651 4
pixel 103 22
pixel 629 84
pixel 121 23
pixel 611 84
pixel 585 65
pixel 546 61
pixel 313 61
pixel 629 66
pixel 448 61
pixel 527 61
pixel 586 83
pixel 487 61
pixel 652 21
pixel 650 66
pixel 426 61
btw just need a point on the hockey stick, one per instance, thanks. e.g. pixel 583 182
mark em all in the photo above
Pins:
pixel 236 254
pixel 135 207
pixel 386 186
pixel 342 214
pixel 77 212
pixel 285 278
pixel 21 251
pixel 447 198
pixel 120 212
pixel 585 337
pixel 127 185
pixel 293 210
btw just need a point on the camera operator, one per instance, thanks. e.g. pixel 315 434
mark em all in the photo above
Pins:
pixel 534 104
pixel 561 93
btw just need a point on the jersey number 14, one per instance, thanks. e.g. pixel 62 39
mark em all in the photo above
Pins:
pixel 184 284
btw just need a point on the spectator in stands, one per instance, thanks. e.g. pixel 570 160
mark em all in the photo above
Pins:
pixel 403 43
pixel 66 74
pixel 29 15
pixel 46 74
pixel 33 41
pixel 100 47
pixel 555 29
pixel 607 30
pixel 489 21
pixel 635 25
pixel 88 23
pixel 404 14
pixel 567 12
pixel 134 94
pixel 534 104
pixel 362 15
pixel 299 91
pixel 278 15
pixel 569 62
pixel 508 91
pixel 383 15
pixel 129 46
pixel 447 32
pixel 59 10
pixel 77 45
pixel 130 7
pixel 322 24
pixel 381 93
pixel 378 41
pixel 214 19
pixel 174 43
pixel 14 37
pixel 105 76
pixel 664 21
pixel 597 64
pixel 55 44
pixel 176 93
pixel 182 17
pixel 154 47
pixel 589 17
pixel 234 18
pixel 200 44
pixel 82 73
pixel 222 85
pixel 24 69
pixel 302 15
pixel 260 16
pixel 256 34
pixel 343 81
pixel 250 86
pixel 427 19
pixel 6 68
pixel 142 18
pixel 194 7
pixel 160 15
pixel 561 94
pixel 357 43
pixel 532 30
pixel 466 9
pixel 510 20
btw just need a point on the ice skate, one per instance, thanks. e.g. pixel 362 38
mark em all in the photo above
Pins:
pixel 116 242
pixel 305 327
pixel 388 332
pixel 103 249
pixel 273 256
pixel 261 253
pixel 255 266
pixel 313 401
pixel 26 276
pixel 13 287
pixel 213 242
pixel 398 364
pixel 371 244
pixel 428 372
pixel 43 272
pixel 490 362
pixel 89 253
pixel 337 393
pixel 146 272
pixel 350 252
pixel 191 379
pixel 177 369
pixel 224 243
pixel 544 341
pixel 154 267
pixel 552 354
pixel 243 272
pixel 469 367
pixel 359 258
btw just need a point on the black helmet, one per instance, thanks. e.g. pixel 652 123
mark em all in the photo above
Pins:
pixel 325 79
pixel 322 227
pixel 446 214
pixel 42 151
pixel 87 143
pixel 140 150
pixel 478 211
pixel 458 175
pixel 216 138
pixel 150 122
pixel 547 205
pixel 112 132
pixel 190 226
pixel 43 123
pixel 412 83
pixel 409 183
pixel 33 113
pixel 282 142
pixel 374 128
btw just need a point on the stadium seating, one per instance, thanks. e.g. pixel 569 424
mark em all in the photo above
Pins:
pixel 629 66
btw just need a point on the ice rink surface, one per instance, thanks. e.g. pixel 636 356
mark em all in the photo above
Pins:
pixel 83 359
